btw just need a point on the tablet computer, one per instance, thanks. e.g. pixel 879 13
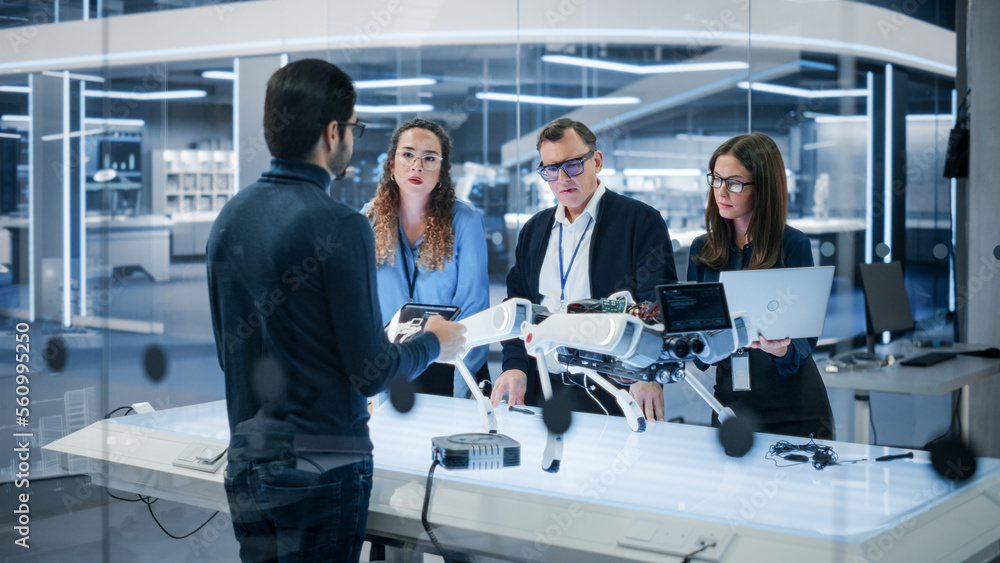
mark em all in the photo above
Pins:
pixel 412 317
pixel 693 307
pixel 780 302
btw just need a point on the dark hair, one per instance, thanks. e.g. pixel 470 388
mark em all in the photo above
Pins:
pixel 555 130
pixel 439 237
pixel 302 98
pixel 759 154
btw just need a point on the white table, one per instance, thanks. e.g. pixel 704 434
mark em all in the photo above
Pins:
pixel 945 377
pixel 619 496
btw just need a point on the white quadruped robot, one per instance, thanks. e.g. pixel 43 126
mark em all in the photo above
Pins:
pixel 591 341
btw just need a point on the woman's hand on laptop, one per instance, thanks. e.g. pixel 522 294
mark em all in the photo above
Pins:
pixel 777 348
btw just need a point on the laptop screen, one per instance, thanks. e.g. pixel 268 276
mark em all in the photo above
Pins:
pixel 693 307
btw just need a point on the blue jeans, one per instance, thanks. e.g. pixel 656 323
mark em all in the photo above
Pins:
pixel 288 515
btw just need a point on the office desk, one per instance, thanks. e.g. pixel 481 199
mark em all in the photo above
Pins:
pixel 945 377
pixel 142 241
pixel 619 496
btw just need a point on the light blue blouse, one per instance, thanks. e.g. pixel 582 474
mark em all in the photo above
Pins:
pixel 463 282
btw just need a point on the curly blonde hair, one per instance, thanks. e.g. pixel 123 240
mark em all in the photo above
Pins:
pixel 439 237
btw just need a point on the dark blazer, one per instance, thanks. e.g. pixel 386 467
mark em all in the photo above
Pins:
pixel 788 395
pixel 630 250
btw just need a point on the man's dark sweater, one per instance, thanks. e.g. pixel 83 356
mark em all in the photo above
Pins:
pixel 299 333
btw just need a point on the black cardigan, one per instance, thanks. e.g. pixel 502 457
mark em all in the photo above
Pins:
pixel 630 250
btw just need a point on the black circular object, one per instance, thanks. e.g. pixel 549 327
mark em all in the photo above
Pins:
pixel 882 250
pixel 996 252
pixel 56 353
pixel 268 380
pixel 953 460
pixel 736 435
pixel 697 346
pixel 154 360
pixel 556 414
pixel 402 395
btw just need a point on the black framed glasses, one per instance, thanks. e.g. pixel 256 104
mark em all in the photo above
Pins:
pixel 572 167
pixel 359 128
pixel 427 162
pixel 734 186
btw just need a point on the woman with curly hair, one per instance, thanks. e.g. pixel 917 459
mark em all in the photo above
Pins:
pixel 747 230
pixel 429 247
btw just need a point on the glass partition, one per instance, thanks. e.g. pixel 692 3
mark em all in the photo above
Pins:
pixel 133 153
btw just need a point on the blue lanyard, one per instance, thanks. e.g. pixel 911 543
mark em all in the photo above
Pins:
pixel 410 282
pixel 564 275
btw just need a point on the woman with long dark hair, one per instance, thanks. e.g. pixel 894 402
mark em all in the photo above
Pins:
pixel 429 247
pixel 746 223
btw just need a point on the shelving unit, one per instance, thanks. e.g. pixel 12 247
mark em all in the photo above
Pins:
pixel 192 181
pixel 191 186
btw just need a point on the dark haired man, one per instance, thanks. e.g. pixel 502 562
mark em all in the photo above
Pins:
pixel 291 276
pixel 592 244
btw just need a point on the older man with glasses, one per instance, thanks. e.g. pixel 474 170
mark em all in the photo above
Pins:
pixel 595 242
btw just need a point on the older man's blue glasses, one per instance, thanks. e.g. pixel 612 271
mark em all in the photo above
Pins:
pixel 572 167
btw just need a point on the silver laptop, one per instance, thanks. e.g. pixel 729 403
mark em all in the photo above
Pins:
pixel 780 302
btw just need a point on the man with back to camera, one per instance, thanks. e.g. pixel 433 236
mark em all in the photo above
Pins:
pixel 291 276
pixel 609 243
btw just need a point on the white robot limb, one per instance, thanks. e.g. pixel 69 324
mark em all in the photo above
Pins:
pixel 505 322
pixel 496 324
pixel 595 332
pixel 639 352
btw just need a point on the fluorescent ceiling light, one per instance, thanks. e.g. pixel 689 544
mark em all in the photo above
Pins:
pixel 16 118
pixel 146 96
pixel 707 138
pixel 219 74
pixel 16 89
pixel 930 117
pixel 803 92
pixel 663 172
pixel 113 121
pixel 394 109
pixel 73 134
pixel 819 145
pixel 829 118
pixel 73 76
pixel 607 172
pixel 394 83
pixel 817 65
pixel 640 69
pixel 548 100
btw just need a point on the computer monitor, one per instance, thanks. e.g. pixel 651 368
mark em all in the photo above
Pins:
pixel 887 307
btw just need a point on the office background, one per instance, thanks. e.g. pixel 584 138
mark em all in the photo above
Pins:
pixel 166 96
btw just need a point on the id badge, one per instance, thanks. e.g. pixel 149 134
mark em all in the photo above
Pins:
pixel 741 370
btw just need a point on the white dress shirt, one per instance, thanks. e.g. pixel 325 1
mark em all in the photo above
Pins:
pixel 577 276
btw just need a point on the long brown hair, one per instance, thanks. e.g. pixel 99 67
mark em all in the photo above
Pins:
pixel 759 154
pixel 439 237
